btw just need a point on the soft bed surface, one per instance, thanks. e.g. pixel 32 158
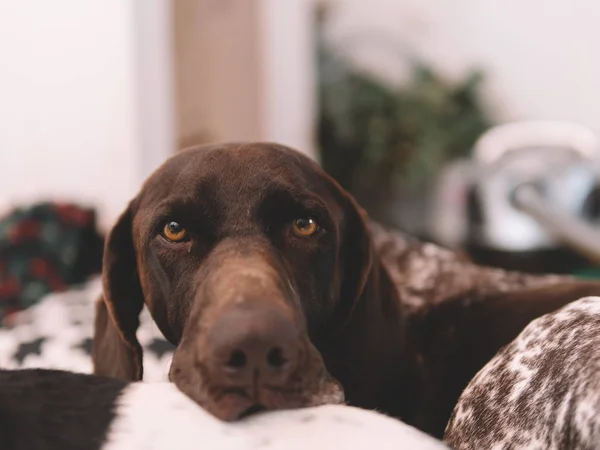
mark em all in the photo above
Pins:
pixel 57 334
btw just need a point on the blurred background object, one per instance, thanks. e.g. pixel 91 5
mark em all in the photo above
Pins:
pixel 386 144
pixel 410 93
pixel 393 97
pixel 528 198
pixel 43 249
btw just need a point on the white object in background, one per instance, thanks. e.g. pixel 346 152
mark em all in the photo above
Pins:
pixel 561 157
pixel 447 211
pixel 502 139
pixel 288 73
pixel 154 84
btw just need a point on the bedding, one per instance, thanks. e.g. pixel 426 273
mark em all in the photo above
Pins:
pixel 57 333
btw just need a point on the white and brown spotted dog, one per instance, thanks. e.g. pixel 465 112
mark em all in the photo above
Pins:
pixel 542 391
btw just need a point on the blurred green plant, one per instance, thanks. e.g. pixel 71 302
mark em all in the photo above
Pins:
pixel 380 142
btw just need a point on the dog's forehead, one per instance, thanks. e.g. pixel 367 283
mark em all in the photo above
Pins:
pixel 235 168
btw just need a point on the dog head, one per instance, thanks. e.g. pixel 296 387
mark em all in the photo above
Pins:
pixel 247 257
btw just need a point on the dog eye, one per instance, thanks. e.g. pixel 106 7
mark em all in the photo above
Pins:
pixel 174 232
pixel 305 227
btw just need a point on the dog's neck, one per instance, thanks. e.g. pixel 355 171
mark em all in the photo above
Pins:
pixel 360 355
pixel 417 293
pixel 407 279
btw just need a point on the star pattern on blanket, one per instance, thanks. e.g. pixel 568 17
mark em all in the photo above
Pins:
pixel 29 348
pixel 160 347
pixel 86 345
pixel 57 333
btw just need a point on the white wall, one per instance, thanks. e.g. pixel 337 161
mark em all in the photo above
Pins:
pixel 154 79
pixel 541 55
pixel 71 116
pixel 288 73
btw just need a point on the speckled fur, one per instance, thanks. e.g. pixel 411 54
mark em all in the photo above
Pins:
pixel 425 274
pixel 542 391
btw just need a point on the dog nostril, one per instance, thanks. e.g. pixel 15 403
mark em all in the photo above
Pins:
pixel 237 360
pixel 275 358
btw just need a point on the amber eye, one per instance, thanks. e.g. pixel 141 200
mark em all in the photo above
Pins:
pixel 174 232
pixel 305 227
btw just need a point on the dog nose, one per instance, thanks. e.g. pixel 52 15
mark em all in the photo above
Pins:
pixel 254 343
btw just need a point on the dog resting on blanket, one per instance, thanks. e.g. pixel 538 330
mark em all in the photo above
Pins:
pixel 279 293
pixel 52 410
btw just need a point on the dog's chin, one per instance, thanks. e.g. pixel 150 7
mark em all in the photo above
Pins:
pixel 230 403
pixel 256 409
pixel 237 405
pixel 233 406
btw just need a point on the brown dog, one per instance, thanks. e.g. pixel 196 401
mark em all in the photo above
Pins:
pixel 272 284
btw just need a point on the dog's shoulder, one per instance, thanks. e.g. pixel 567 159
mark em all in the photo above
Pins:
pixel 426 274
pixel 540 391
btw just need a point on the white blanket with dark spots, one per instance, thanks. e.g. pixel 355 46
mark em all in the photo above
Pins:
pixel 57 334
pixel 541 392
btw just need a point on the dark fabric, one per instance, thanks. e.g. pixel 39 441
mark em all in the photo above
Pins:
pixel 45 248
pixel 51 409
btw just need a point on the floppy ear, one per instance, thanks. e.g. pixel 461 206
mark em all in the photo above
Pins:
pixel 116 350
pixel 356 256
